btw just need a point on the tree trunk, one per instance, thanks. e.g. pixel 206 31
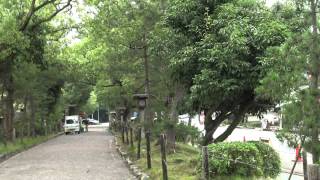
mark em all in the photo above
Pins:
pixel 239 115
pixel 33 117
pixel 190 120
pixel 9 109
pixel 147 113
pixel 229 130
pixel 314 66
pixel 211 125
pixel 173 116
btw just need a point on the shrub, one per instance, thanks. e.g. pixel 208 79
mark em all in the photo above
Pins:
pixel 184 133
pixel 271 161
pixel 244 159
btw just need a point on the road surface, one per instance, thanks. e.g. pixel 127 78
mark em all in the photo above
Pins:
pixel 86 156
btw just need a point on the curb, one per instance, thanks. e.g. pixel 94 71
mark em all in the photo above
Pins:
pixel 4 157
pixel 133 168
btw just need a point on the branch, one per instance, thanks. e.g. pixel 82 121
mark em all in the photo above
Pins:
pixel 43 5
pixel 29 15
pixel 62 29
pixel 52 15
pixel 112 85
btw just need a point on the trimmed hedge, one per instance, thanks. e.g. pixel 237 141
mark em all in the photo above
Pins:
pixel 270 158
pixel 244 159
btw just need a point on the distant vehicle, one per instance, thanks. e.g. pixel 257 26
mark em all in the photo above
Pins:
pixel 72 124
pixel 134 116
pixel 93 121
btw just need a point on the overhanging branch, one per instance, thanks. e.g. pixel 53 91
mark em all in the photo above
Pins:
pixel 50 17
pixel 28 17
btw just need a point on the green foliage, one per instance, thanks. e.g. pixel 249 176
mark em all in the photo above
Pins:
pixel 244 159
pixel 221 64
pixel 289 71
pixel 225 63
pixel 270 158
pixel 292 139
pixel 183 132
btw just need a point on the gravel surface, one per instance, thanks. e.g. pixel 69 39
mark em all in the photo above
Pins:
pixel 88 156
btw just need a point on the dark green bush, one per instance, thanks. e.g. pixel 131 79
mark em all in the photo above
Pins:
pixel 244 159
pixel 270 158
pixel 184 133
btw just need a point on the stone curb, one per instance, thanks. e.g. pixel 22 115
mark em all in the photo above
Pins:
pixel 133 168
pixel 4 157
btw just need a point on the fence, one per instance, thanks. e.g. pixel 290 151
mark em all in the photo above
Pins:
pixel 127 131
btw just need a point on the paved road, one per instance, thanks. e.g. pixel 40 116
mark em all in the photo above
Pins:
pixel 88 156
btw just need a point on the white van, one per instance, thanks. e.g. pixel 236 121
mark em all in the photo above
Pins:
pixel 72 124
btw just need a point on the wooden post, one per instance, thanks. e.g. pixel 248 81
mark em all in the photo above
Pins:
pixel 139 143
pixel 131 138
pixel 313 172
pixel 305 164
pixel 148 149
pixel 205 162
pixel 163 157
pixel 127 134
pixel 122 132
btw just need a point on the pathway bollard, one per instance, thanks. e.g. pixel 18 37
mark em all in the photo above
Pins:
pixel 122 132
pixel 127 134
pixel 313 172
pixel 205 162
pixel 139 143
pixel 148 149
pixel 131 137
pixel 163 157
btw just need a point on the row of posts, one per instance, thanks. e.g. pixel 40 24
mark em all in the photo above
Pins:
pixel 126 130
pixel 162 140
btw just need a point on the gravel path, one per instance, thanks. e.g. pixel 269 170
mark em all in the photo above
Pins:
pixel 88 156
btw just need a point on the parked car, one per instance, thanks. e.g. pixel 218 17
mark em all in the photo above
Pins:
pixel 72 124
pixel 93 121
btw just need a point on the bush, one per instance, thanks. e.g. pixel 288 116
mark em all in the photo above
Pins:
pixel 184 133
pixel 244 159
pixel 270 158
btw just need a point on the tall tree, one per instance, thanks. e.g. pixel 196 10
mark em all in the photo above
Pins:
pixel 26 18
pixel 221 64
pixel 292 78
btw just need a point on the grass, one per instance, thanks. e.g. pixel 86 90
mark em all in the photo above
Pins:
pixel 182 165
pixel 21 144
